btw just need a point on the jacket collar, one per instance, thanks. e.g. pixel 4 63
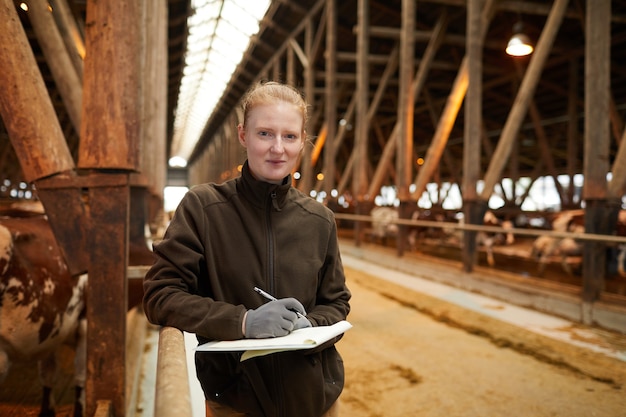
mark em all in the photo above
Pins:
pixel 259 192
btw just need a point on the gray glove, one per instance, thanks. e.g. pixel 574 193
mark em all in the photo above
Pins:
pixel 276 318
pixel 301 323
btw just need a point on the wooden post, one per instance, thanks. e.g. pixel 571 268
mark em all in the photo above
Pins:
pixel 472 131
pixel 404 154
pixel 597 137
pixel 308 176
pixel 110 132
pixel 291 66
pixel 330 95
pixel 361 133
pixel 153 129
pixel 110 139
pixel 107 294
pixel 359 178
pixel 572 129
pixel 406 105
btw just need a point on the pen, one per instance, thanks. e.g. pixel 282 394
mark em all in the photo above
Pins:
pixel 272 298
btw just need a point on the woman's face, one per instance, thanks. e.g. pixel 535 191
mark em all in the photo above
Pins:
pixel 273 137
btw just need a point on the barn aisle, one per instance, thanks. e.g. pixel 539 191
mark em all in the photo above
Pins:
pixel 421 348
pixel 413 354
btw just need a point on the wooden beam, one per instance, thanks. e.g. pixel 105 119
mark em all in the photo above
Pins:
pixel 522 100
pixel 153 129
pixel 107 296
pixel 72 37
pixel 617 185
pixel 572 129
pixel 58 59
pixel 597 141
pixel 110 132
pixel 330 95
pixel 385 161
pixel 417 87
pixel 406 103
pixel 110 140
pixel 308 177
pixel 546 153
pixel 25 105
pixel 473 211
pixel 448 117
pixel 361 133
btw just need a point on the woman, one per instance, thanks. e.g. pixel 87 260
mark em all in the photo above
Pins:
pixel 256 231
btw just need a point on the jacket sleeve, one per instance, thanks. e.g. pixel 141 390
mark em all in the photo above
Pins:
pixel 171 285
pixel 333 296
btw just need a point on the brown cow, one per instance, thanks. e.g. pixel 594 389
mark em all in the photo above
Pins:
pixel 41 304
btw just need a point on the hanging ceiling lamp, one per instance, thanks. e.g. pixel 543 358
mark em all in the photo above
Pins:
pixel 519 44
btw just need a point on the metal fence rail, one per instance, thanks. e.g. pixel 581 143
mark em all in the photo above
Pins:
pixel 172 396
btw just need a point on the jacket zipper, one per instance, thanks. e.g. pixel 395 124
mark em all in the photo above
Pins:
pixel 270 244
pixel 272 285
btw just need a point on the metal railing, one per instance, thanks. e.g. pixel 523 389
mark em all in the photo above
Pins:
pixel 490 229
pixel 172 395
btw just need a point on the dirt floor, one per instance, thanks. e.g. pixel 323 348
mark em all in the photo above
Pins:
pixel 411 355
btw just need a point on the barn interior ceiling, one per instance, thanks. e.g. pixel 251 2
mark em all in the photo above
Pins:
pixel 219 33
pixel 551 137
pixel 553 129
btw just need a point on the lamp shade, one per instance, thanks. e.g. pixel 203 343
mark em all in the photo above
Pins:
pixel 519 45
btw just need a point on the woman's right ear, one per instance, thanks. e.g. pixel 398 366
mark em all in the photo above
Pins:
pixel 241 135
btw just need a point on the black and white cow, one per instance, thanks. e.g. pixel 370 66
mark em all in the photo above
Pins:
pixel 486 240
pixel 546 247
pixel 41 305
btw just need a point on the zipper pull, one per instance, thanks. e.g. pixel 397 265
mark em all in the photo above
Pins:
pixel 274 201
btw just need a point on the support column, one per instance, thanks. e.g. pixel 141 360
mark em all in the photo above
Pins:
pixel 406 104
pixel 359 177
pixel 107 294
pixel 472 133
pixel 597 137
pixel 110 144
pixel 306 169
pixel 330 93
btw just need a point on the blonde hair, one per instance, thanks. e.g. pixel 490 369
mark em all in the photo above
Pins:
pixel 273 92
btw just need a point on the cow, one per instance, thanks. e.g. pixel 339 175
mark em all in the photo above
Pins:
pixel 384 224
pixel 415 233
pixel 488 240
pixel 42 306
pixel 545 247
pixel 484 239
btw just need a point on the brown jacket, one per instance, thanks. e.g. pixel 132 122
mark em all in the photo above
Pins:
pixel 222 242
